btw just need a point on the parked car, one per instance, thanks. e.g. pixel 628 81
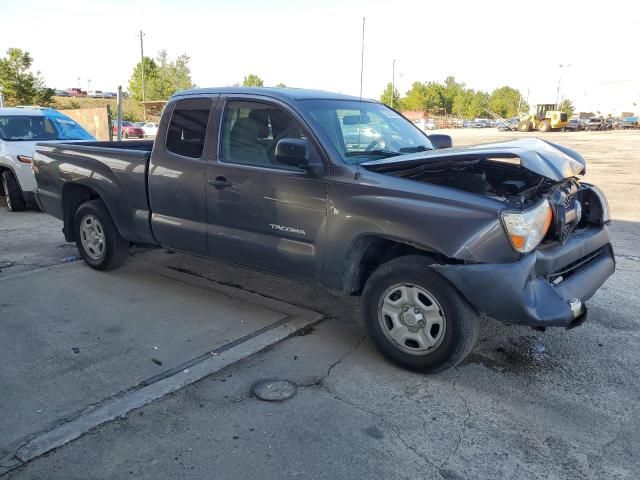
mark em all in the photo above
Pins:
pixel 432 237
pixel 76 92
pixel 20 129
pixel 129 130
pixel 430 124
pixel 139 124
pixel 150 129
pixel 574 125
pixel 61 93
pixel 593 123
pixel 481 123
pixel 95 94
pixel 627 122
pixel 508 124
pixel 109 95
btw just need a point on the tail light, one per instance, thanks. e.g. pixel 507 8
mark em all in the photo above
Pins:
pixel 24 159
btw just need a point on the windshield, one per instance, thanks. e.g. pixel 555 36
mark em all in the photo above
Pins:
pixel 363 131
pixel 26 128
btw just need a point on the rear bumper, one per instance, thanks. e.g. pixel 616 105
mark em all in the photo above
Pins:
pixel 546 288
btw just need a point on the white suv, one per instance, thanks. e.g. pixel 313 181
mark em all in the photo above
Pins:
pixel 20 129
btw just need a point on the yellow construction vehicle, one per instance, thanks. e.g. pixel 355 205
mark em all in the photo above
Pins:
pixel 546 119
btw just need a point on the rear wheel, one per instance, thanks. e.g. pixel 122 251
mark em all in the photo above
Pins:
pixel 97 237
pixel 12 192
pixel 415 318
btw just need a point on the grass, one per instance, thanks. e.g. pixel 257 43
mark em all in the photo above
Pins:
pixel 131 110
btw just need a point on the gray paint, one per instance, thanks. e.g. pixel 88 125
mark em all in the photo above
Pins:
pixel 550 160
pixel 306 224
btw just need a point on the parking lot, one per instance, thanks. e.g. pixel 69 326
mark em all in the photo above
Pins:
pixel 148 371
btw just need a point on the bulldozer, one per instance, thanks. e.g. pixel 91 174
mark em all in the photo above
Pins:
pixel 547 118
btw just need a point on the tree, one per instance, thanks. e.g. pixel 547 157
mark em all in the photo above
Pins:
pixel 150 76
pixel 505 102
pixel 162 77
pixel 391 99
pixel 252 80
pixel 450 92
pixel 281 85
pixel 19 85
pixel 567 107
pixel 415 97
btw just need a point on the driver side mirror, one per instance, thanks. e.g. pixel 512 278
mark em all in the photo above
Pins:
pixel 441 141
pixel 293 152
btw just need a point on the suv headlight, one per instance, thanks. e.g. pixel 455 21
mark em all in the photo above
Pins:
pixel 526 229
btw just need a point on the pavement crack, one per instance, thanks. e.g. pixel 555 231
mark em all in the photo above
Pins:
pixel 464 422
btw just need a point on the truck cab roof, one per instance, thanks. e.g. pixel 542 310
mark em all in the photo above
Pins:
pixel 279 93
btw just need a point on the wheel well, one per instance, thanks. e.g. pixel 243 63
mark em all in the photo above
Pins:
pixel 73 196
pixel 368 253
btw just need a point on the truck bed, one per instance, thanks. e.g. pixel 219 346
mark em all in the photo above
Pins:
pixel 115 172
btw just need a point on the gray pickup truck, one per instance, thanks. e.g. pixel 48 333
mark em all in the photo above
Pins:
pixel 348 194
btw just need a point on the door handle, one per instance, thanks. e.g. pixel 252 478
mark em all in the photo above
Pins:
pixel 220 182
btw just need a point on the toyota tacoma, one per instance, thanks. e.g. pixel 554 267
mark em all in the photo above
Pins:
pixel 347 193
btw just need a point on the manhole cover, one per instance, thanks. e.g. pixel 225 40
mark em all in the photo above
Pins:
pixel 275 390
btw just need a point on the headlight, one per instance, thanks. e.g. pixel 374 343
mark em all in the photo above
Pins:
pixel 527 229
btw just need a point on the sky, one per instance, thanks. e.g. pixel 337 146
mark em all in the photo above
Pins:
pixel 317 44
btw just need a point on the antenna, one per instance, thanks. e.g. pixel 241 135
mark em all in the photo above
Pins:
pixel 361 75
pixel 362 57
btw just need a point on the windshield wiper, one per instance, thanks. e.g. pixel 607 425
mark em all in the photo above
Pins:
pixel 375 151
pixel 419 148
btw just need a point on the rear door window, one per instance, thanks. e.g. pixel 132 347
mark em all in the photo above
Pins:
pixel 188 126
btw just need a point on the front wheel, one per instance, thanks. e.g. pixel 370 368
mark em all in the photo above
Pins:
pixel 545 126
pixel 97 237
pixel 12 192
pixel 415 318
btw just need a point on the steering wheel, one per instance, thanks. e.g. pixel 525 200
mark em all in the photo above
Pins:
pixel 384 144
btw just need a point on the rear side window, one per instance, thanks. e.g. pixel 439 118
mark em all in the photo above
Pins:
pixel 188 126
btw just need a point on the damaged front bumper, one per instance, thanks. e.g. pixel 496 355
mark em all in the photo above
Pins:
pixel 545 288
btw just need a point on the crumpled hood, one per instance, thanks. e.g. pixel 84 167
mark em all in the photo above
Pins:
pixel 550 160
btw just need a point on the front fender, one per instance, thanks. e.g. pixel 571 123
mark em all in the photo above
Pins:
pixel 444 222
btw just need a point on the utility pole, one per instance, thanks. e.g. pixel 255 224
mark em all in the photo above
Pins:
pixel 119 114
pixel 393 81
pixel 142 62
pixel 561 66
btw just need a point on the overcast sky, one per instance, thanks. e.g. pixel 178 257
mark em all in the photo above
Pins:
pixel 316 44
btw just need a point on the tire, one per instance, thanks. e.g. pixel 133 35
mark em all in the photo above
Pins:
pixel 545 126
pixel 524 127
pixel 12 192
pixel 454 324
pixel 97 237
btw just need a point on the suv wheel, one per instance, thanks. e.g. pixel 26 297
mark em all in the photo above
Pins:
pixel 97 237
pixel 12 192
pixel 415 318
